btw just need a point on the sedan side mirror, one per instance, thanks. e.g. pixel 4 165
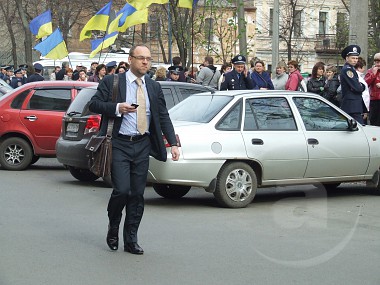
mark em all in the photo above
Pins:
pixel 352 125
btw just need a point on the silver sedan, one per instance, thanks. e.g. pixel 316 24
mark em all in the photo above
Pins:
pixel 234 142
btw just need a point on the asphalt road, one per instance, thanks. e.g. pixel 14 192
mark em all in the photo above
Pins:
pixel 53 228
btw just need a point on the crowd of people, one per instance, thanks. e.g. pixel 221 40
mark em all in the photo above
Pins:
pixel 325 80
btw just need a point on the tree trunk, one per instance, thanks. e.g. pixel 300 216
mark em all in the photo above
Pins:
pixel 28 36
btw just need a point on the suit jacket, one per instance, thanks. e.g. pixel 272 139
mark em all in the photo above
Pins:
pixel 160 122
pixel 234 82
pixel 352 89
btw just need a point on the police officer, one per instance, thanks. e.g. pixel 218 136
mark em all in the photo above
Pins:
pixel 238 78
pixel 3 71
pixel 37 74
pixel 111 67
pixel 352 100
pixel 18 79
pixel 8 74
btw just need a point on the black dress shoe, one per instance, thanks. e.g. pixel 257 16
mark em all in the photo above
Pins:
pixel 113 238
pixel 133 248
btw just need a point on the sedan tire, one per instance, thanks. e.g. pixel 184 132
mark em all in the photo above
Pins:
pixel 236 185
pixel 171 191
pixel 82 174
pixel 15 154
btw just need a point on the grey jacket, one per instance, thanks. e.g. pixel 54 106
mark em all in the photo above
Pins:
pixel 209 76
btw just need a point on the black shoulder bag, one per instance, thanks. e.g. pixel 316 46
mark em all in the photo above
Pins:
pixel 100 147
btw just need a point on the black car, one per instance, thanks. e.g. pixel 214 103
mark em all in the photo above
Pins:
pixel 79 124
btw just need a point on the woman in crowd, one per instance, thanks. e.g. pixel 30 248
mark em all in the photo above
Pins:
pixel 227 67
pixel 261 79
pixel 82 75
pixel 160 74
pixel 69 74
pixel 360 69
pixel 295 76
pixel 317 81
pixel 100 72
pixel 331 85
pixel 281 77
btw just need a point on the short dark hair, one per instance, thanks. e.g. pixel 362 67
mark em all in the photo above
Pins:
pixel 100 67
pixel 294 63
pixel 176 60
pixel 209 59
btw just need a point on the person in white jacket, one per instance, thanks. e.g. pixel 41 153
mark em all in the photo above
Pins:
pixel 360 69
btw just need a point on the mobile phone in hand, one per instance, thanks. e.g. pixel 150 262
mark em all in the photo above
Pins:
pixel 134 105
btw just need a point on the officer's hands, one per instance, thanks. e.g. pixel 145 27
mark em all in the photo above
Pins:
pixel 126 108
pixel 175 153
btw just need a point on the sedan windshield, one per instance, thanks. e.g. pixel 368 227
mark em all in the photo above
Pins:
pixel 199 108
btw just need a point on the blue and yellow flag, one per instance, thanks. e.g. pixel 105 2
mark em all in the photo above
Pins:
pixel 41 26
pixel 98 22
pixel 99 44
pixel 136 18
pixel 142 4
pixel 121 16
pixel 187 3
pixel 53 47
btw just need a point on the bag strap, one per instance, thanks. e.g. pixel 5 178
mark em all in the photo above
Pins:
pixel 114 95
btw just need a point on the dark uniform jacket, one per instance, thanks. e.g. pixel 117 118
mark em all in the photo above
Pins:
pixel 314 85
pixel 35 77
pixel 160 122
pixel 16 81
pixel 352 100
pixel 234 82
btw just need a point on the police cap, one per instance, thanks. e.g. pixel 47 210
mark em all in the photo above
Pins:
pixel 239 59
pixel 23 66
pixel 8 68
pixel 351 50
pixel 176 69
pixel 111 64
pixel 18 71
pixel 38 66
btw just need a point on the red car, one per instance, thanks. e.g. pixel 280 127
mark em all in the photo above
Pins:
pixel 31 120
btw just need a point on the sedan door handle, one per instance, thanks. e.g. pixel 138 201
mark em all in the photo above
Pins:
pixel 257 141
pixel 31 118
pixel 312 141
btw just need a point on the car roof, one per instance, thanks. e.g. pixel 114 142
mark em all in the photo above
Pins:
pixel 172 83
pixel 57 83
pixel 246 93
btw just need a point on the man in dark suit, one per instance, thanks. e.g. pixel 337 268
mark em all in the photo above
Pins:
pixel 37 74
pixel 238 78
pixel 352 89
pixel 132 146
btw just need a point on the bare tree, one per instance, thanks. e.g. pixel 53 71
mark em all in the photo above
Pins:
pixel 374 27
pixel 8 11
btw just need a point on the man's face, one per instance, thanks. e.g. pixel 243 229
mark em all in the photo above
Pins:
pixel 376 61
pixel 140 61
pixel 239 67
pixel 19 74
pixel 352 60
pixel 174 76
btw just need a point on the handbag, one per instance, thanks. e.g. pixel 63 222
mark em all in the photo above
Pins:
pixel 100 147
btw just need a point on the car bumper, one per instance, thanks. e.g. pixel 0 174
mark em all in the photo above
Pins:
pixel 197 173
pixel 73 153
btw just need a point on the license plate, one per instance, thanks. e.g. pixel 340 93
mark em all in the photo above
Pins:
pixel 72 127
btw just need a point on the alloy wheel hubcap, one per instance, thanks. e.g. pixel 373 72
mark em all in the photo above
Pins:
pixel 239 185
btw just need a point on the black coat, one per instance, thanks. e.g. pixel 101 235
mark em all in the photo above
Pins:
pixel 160 123
pixel 352 89
pixel 331 90
pixel 231 81
pixel 314 85
pixel 35 77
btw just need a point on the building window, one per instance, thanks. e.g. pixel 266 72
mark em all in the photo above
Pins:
pixel 297 23
pixel 322 23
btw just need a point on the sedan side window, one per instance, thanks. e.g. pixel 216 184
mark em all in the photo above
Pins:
pixel 168 97
pixel 50 100
pixel 268 114
pixel 319 116
pixel 231 121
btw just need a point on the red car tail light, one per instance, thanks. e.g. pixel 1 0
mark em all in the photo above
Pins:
pixel 167 144
pixel 93 124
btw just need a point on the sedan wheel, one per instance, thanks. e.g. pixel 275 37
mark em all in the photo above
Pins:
pixel 15 154
pixel 82 174
pixel 171 191
pixel 236 185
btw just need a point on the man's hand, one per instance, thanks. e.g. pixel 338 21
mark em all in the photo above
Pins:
pixel 126 108
pixel 175 153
